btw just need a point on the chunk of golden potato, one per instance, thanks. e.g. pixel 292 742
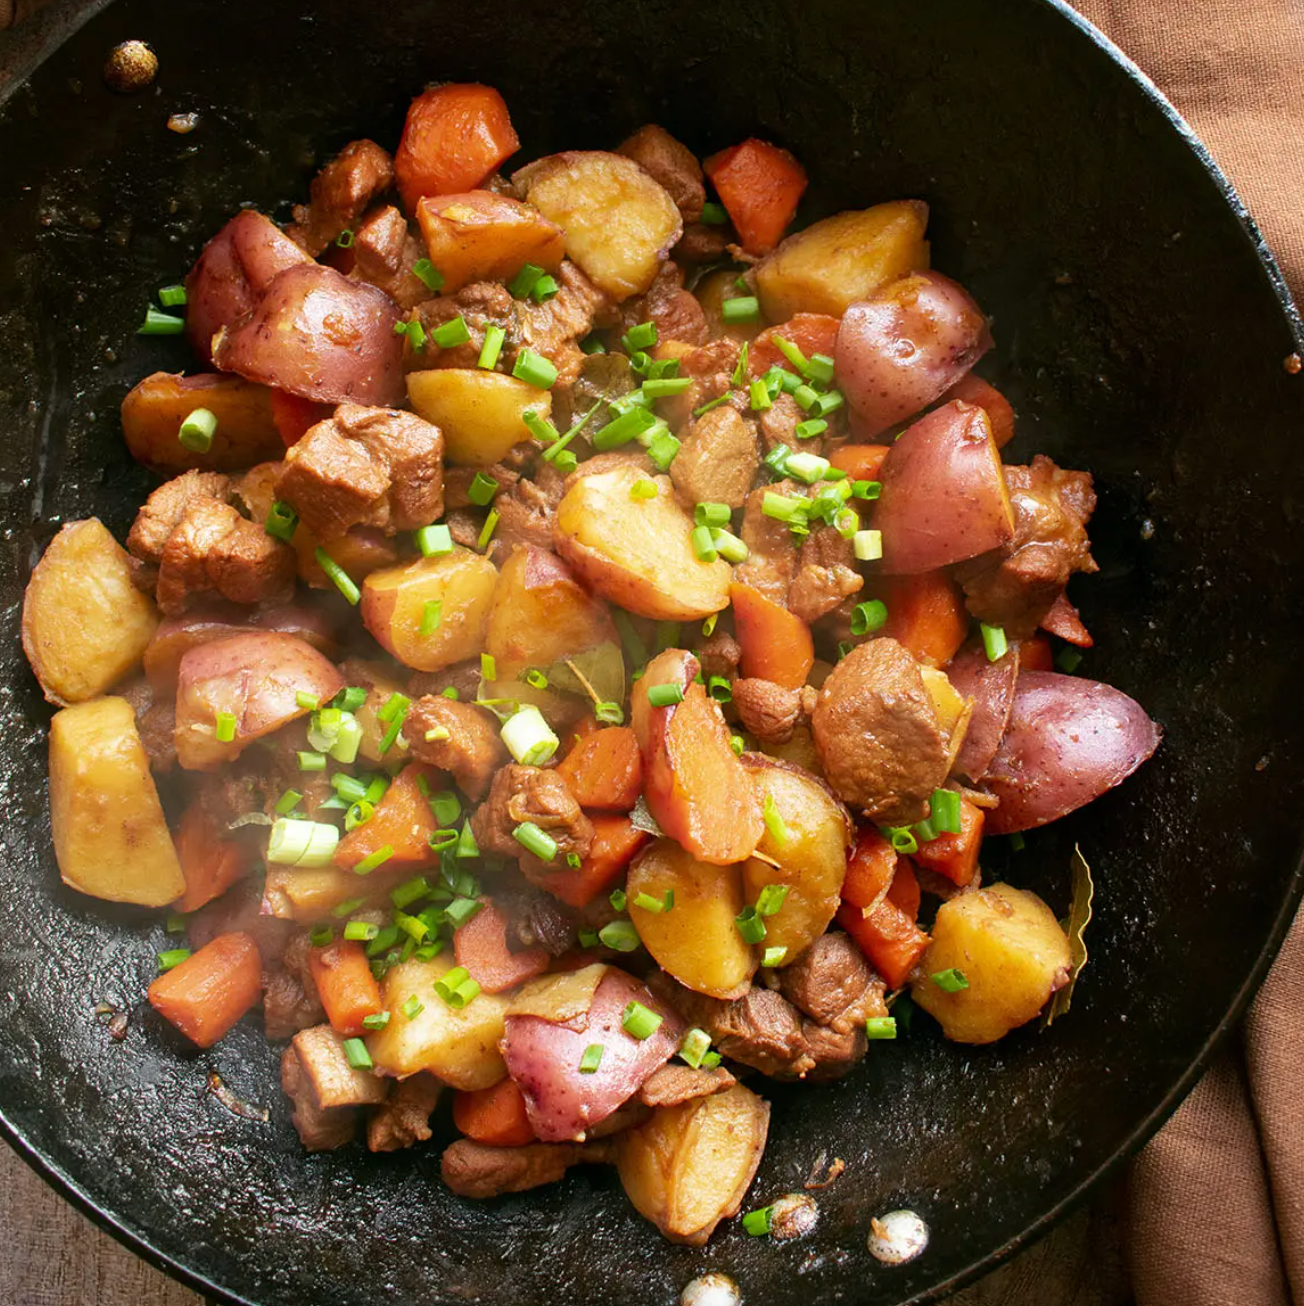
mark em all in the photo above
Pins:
pixel 690 1166
pixel 459 1046
pixel 480 413
pixel 481 236
pixel 833 263
pixel 394 606
pixel 85 625
pixel 541 613
pixel 619 222
pixel 711 292
pixel 812 858
pixel 1011 950
pixel 952 708
pixel 111 838
pixel 697 941
pixel 638 552
pixel 246 432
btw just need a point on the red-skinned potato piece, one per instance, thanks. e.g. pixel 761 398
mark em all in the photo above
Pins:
pixel 255 677
pixel 316 334
pixel 544 1058
pixel 991 685
pixel 699 792
pixel 481 947
pixel 1069 740
pixel 776 645
pixel 901 348
pixel 759 185
pixel 944 497
pixel 176 636
pixel 454 138
pixel 232 274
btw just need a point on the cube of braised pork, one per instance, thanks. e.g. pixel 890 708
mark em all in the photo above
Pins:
pixel 340 194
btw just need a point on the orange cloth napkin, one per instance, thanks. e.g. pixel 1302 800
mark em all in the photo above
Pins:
pixel 1217 1199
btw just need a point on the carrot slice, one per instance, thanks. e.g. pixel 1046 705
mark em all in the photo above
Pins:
pixel 888 936
pixel 776 645
pixel 1035 654
pixel 870 869
pixel 206 995
pixel 1000 413
pixel 956 855
pixel 615 841
pixel 891 941
pixel 904 891
pixel 812 333
pixel 925 614
pixel 494 1116
pixel 402 822
pixel 605 770
pixel 345 984
pixel 295 416
pixel 861 462
pixel 759 185
pixel 210 863
pixel 455 136
pixel 481 946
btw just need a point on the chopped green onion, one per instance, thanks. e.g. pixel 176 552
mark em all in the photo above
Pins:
pixel 359 813
pixel 1068 660
pixel 528 737
pixel 413 331
pixel 720 688
pixel 643 489
pixel 950 981
pixel 714 403
pixel 535 840
pixel 492 348
pixel 808 430
pixel 311 761
pixel 197 431
pixel 160 324
pixel 819 368
pixel 308 701
pixel 771 898
pixel 281 521
pixel 466 844
pixel 642 336
pixel 536 679
pixel 225 727
pixel 487 531
pixel 350 699
pixel 172 957
pixel 431 614
pixel 172 296
pixel 450 691
pixel 545 288
pixel 482 490
pixel 428 275
pixel 867 545
pixel 373 860
pixel 713 214
pixel 736 745
pixel 708 626
pixel 461 910
pixel 451 334
pixel 456 987
pixel 175 923
pixel 629 637
pixel 759 396
pixel 488 666
pixel 750 925
pixel 621 936
pixel 742 368
pixel 648 903
pixel 791 352
pixel 712 514
pixel 355 1050
pixel 443 838
pixel 591 1058
pixel 361 931
pixel 640 1022
pixel 524 281
pixel 622 429
pixel 994 641
pixel 827 403
pixel 783 507
pixel 663 449
pixel 877 1027
pixel 1017 842
pixel 534 370
pixel 347 908
pixel 665 695
pixel 539 427
pixel 383 941
pixel 591 344
pixel 774 822
pixel 321 936
pixel 777 459
pixel 413 926
pixel 661 387
pixel 574 861
pixel 944 811
pixel 409 892
pixel 741 308
pixel 377 1021
pixel 868 616
pixel 866 489
pixel 703 545
pixel 434 541
pixel 617 899
pixel 608 713
pixel 345 239
pixel 337 575
pixel 588 938
pixel 774 956
pixel 446 806
pixel 806 398
pixel 694 1046
pixel 295 842
pixel 902 838
pixel 757 1223
pixel 806 467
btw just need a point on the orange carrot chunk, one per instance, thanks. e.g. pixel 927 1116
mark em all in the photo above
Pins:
pixel 605 770
pixel 956 855
pixel 974 390
pixel 294 416
pixel 402 822
pixel 759 185
pixel 775 644
pixel 494 1116
pixel 861 462
pixel 615 841
pixel 925 614
pixel 210 863
pixel 206 995
pixel 345 984
pixel 455 136
pixel 481 947
pixel 812 333
pixel 876 884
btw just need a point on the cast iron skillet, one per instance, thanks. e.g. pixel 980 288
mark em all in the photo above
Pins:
pixel 1141 332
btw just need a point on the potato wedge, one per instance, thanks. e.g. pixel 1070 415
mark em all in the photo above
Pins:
pixel 812 856
pixel 830 265
pixel 394 606
pixel 480 413
pixel 110 835
pixel 1010 949
pixel 690 1166
pixel 85 625
pixel 480 236
pixel 246 432
pixel 697 941
pixel 309 894
pixel 459 1046
pixel 541 613
pixel 638 553
pixel 619 223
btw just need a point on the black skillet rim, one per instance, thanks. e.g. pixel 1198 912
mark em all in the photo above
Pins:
pixel 46 35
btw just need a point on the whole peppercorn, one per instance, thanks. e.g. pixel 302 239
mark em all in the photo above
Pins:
pixel 130 67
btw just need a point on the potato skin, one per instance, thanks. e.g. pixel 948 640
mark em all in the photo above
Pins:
pixel 1013 953
pixel 246 433
pixel 85 625
pixel 619 223
pixel 697 941
pixel 690 1166
pixel 111 838
pixel 831 264
pixel 638 553
pixel 480 413
pixel 394 599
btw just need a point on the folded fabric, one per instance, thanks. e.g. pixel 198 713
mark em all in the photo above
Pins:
pixel 1217 1199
